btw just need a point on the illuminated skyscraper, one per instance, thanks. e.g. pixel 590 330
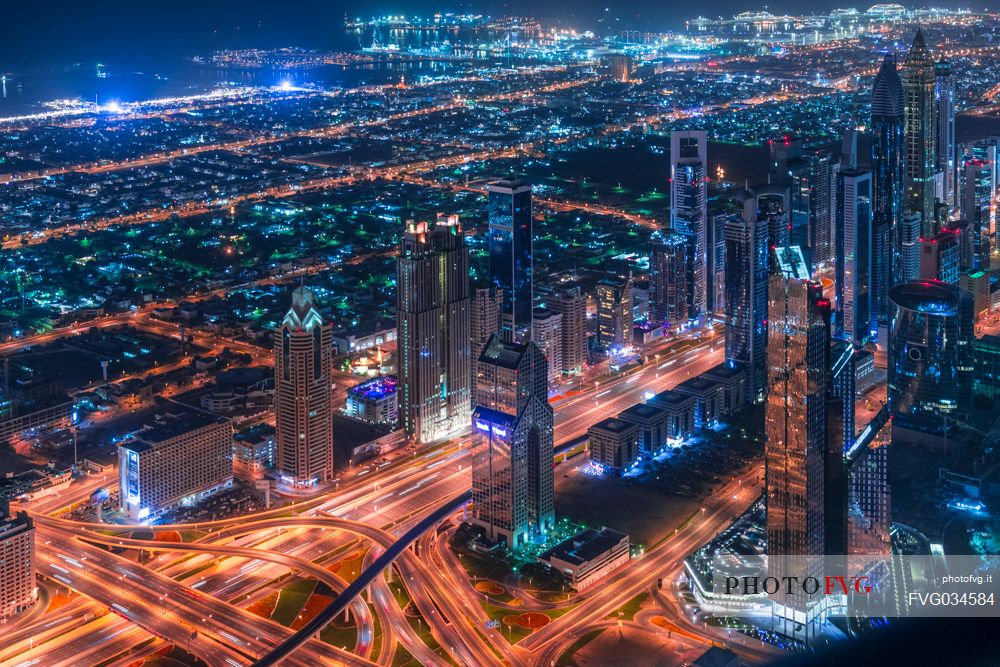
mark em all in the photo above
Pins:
pixel 909 248
pixel 888 172
pixel 978 210
pixel 303 346
pixel 930 360
pixel 510 238
pixel 821 207
pixel 944 102
pixel 940 257
pixel 746 294
pixel 546 332
pixel 17 564
pixel 854 214
pixel 487 304
pixel 689 209
pixel 433 329
pixel 668 282
pixel 512 444
pixel 799 449
pixel 772 203
pixel 920 133
pixel 572 306
pixel 798 378
pixel 614 314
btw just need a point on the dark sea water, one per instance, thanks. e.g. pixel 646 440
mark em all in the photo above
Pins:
pixel 142 74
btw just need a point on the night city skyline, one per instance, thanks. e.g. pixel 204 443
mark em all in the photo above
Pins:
pixel 499 334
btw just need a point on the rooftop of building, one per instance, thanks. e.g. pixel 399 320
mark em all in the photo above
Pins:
pixel 927 296
pixel 376 388
pixel 716 657
pixel 670 397
pixel 170 426
pixel 502 353
pixel 640 411
pixel 585 546
pixel 255 433
pixel 723 372
pixel 697 385
pixel 613 425
pixel 13 524
pixel 514 184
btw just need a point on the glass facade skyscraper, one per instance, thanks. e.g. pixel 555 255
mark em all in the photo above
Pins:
pixel 930 358
pixel 512 444
pixel 434 329
pixel 689 210
pixel 797 427
pixel 920 133
pixel 854 261
pixel 746 293
pixel 944 103
pixel 668 282
pixel 510 238
pixel 887 186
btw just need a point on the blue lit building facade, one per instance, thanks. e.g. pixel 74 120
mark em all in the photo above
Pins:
pixel 668 302
pixel 930 359
pixel 512 444
pixel 854 261
pixel 510 236
pixel 887 186
pixel 746 294
pixel 689 210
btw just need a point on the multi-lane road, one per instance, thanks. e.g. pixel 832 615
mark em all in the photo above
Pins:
pixel 395 497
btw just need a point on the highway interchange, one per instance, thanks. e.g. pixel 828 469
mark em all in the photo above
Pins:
pixel 242 559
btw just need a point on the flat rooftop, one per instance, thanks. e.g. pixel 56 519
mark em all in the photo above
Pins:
pixel 585 546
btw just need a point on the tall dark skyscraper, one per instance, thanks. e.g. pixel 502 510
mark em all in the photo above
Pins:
pixel 512 444
pixel 303 386
pixel 434 329
pixel 819 175
pixel 746 293
pixel 668 281
pixel 510 238
pixel 572 305
pixel 920 133
pixel 978 210
pixel 773 204
pixel 944 103
pixel 689 210
pixel 888 172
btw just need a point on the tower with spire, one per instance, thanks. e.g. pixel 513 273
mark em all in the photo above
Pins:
pixel 887 185
pixel 920 132
pixel 303 349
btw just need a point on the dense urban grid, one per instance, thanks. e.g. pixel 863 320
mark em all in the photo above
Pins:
pixel 486 341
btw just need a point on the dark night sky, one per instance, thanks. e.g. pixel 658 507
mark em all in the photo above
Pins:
pixel 126 30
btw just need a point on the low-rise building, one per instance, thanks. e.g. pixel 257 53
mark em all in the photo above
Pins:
pixel 374 401
pixel 587 558
pixel 614 443
pixel 17 564
pixel 652 422
pixel 254 452
pixel 732 382
pixel 680 413
pixel 183 457
pixel 365 336
pixel 977 283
